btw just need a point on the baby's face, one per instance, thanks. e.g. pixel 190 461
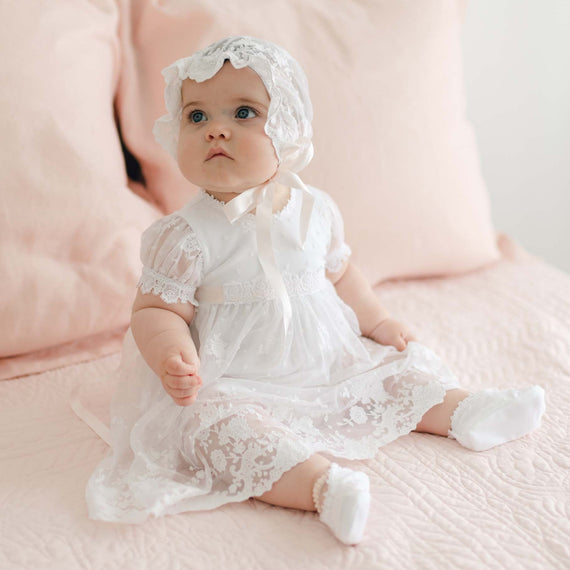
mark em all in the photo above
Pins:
pixel 226 113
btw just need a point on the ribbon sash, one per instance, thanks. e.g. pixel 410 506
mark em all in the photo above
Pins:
pixel 261 198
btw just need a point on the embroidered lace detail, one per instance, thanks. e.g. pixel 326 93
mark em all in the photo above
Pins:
pixel 372 416
pixel 230 448
pixel 191 247
pixel 169 290
pixel 215 346
pixel 337 258
pixel 260 289
pixel 249 450
pixel 172 260
pixel 318 489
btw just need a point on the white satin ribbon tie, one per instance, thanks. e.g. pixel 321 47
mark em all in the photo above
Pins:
pixel 261 198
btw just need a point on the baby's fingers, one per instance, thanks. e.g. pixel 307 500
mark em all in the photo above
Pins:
pixel 175 366
pixel 403 339
pixel 183 391
pixel 182 382
pixel 400 343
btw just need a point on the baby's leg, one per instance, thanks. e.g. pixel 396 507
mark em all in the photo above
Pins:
pixel 295 488
pixel 484 419
pixel 437 420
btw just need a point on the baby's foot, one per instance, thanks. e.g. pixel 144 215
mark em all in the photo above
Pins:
pixel 492 417
pixel 342 498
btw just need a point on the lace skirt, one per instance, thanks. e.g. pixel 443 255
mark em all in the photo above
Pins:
pixel 245 429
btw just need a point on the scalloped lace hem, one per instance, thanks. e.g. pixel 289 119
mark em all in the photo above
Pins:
pixel 167 289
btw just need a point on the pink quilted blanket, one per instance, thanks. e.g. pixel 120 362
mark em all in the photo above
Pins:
pixel 435 504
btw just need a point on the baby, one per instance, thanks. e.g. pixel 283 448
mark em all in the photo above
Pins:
pixel 257 352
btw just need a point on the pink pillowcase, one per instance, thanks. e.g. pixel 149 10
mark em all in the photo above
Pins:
pixel 392 144
pixel 70 228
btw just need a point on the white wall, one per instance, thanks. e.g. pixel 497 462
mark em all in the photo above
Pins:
pixel 517 78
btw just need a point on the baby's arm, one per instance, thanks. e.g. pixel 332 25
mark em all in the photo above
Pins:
pixel 162 335
pixel 375 323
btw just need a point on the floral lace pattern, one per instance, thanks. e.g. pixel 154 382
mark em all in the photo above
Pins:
pixel 215 347
pixel 169 290
pixel 260 289
pixel 234 444
pixel 172 261
pixel 248 450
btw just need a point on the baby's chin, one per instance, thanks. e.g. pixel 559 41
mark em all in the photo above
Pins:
pixel 232 188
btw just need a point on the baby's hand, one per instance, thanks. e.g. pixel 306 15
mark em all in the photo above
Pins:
pixel 180 379
pixel 392 333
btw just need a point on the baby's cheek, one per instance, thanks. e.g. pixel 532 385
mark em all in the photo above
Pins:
pixel 265 154
pixel 186 159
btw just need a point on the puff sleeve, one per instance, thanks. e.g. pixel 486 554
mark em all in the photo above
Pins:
pixel 172 261
pixel 338 250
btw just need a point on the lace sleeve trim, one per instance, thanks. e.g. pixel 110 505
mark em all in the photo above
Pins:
pixel 170 291
pixel 337 258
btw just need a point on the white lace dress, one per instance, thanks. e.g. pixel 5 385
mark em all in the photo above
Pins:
pixel 269 400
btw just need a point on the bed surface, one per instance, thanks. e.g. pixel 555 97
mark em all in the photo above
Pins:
pixel 435 504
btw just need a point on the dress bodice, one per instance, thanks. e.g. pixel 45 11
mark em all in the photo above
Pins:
pixel 224 254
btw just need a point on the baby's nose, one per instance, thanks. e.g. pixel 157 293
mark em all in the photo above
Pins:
pixel 218 130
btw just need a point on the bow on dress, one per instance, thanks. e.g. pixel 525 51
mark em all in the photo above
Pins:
pixel 261 198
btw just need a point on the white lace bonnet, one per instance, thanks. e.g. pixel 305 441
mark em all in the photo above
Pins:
pixel 290 111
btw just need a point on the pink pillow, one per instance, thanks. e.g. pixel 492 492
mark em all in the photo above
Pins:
pixel 392 144
pixel 70 228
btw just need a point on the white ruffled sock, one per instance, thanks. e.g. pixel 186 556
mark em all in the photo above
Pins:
pixel 492 417
pixel 342 499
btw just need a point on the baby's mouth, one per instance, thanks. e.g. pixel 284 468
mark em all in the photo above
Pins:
pixel 217 153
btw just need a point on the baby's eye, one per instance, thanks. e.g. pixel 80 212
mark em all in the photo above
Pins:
pixel 197 116
pixel 245 113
